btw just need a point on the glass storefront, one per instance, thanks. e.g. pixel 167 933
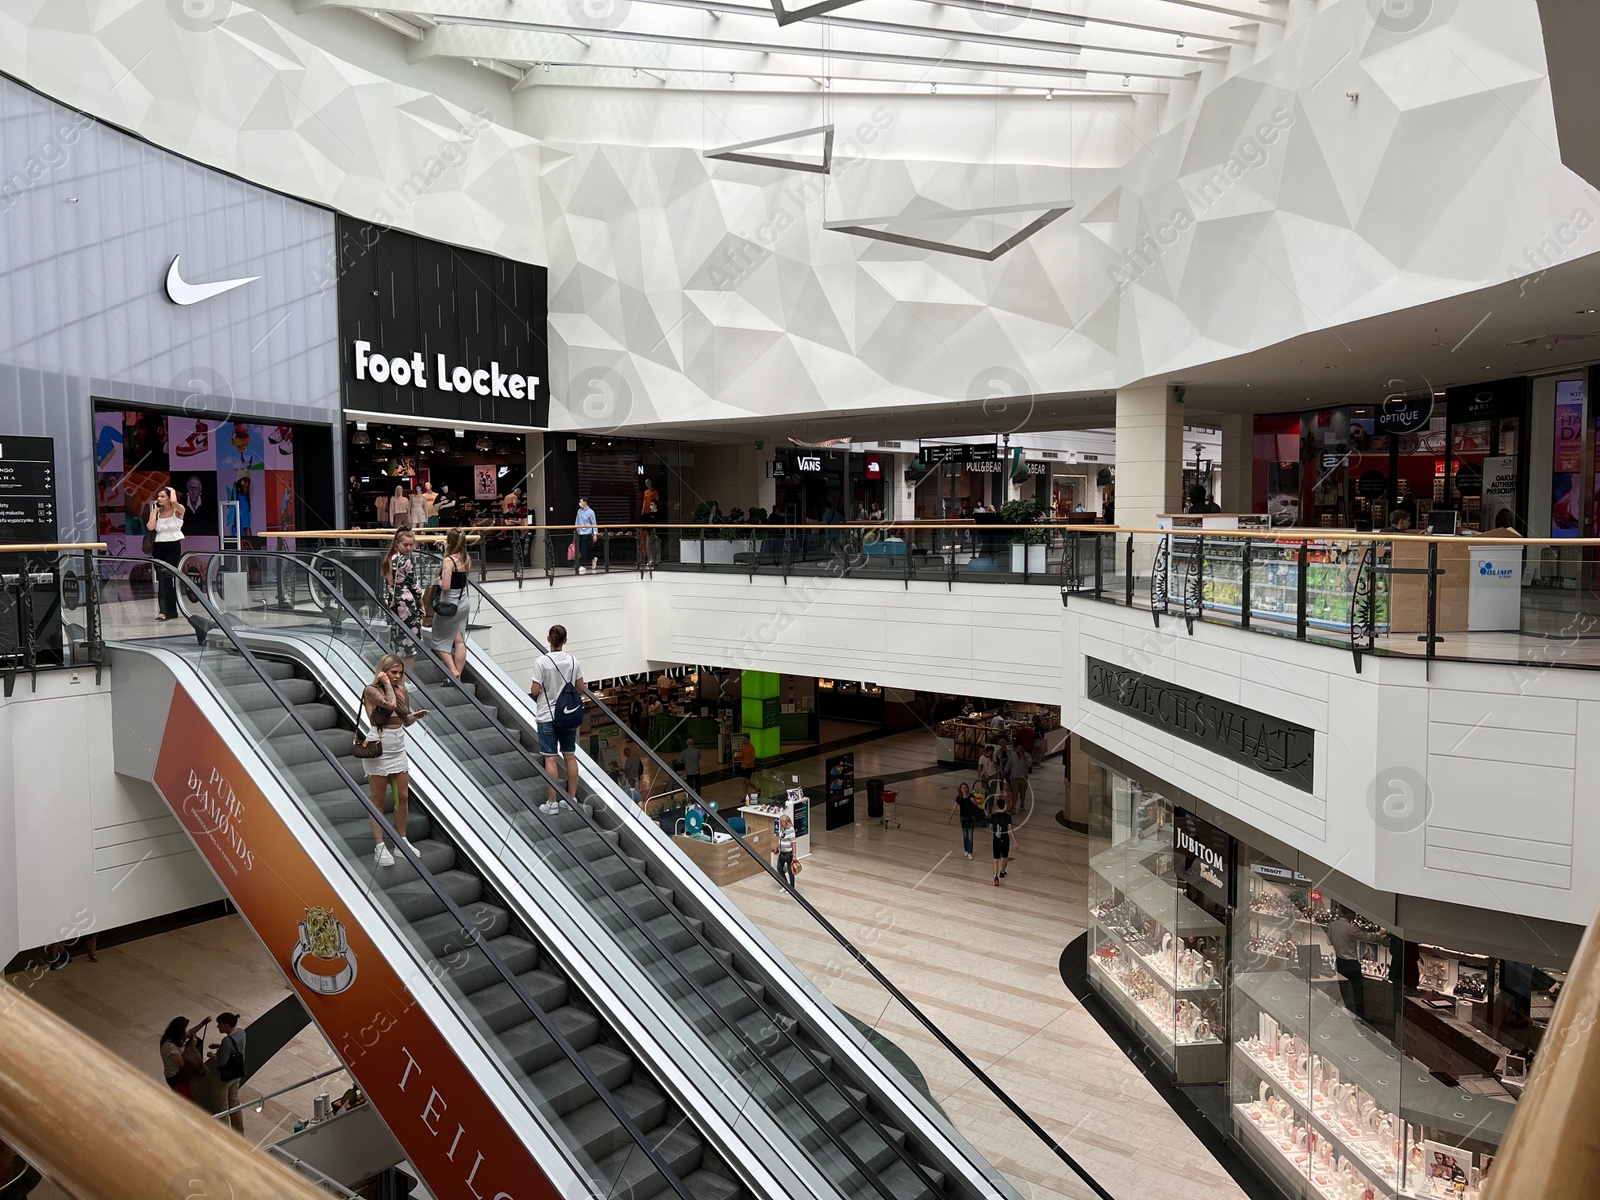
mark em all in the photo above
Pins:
pixel 1356 1063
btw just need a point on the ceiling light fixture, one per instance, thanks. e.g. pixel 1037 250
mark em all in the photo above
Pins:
pixel 1180 41
pixel 1049 93
pixel 424 441
pixel 1127 81
pixel 360 438
pixel 933 89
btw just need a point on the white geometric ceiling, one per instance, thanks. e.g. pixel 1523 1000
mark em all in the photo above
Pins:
pixel 861 45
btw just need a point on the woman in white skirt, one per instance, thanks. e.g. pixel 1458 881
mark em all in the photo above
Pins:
pixel 388 709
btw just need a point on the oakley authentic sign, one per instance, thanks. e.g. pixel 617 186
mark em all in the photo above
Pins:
pixel 1242 735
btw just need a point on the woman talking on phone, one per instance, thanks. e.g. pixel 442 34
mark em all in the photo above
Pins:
pixel 166 523
pixel 388 712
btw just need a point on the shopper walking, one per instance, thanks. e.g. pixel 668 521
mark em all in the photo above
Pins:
pixel 988 772
pixel 448 637
pixel 691 766
pixel 786 843
pixel 747 759
pixel 557 690
pixel 180 1054
pixel 1005 837
pixel 387 705
pixel 632 765
pixel 165 521
pixel 587 525
pixel 402 595
pixel 971 816
pixel 1017 769
pixel 228 1054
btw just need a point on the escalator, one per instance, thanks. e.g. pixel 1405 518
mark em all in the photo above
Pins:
pixel 629 1048
pixel 565 1094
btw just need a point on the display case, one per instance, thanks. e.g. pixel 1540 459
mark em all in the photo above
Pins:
pixel 1275 581
pixel 1155 955
pixel 1323 1096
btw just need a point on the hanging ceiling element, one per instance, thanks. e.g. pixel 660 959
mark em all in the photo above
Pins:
pixel 820 167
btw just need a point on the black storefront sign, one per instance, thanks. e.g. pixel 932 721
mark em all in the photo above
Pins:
pixel 1404 414
pixel 456 335
pixel 27 490
pixel 1264 743
pixel 840 791
pixel 1203 856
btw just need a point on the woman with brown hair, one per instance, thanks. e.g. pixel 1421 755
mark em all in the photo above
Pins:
pixel 448 637
pixel 165 522
pixel 401 593
pixel 387 706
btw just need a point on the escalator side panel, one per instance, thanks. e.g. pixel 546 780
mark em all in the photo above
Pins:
pixel 453 1131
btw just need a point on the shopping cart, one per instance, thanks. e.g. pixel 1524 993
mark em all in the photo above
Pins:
pixel 890 813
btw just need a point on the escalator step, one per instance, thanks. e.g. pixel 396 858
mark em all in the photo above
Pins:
pixel 270 721
pixel 498 1007
pixel 415 900
pixel 471 971
pixel 627 1174
pixel 709 1185
pixel 561 1089
pixel 239 671
pixel 529 1048
pixel 438 857
pixel 442 933
pixel 906 1185
pixel 357 833
pixel 732 1001
pixel 595 1130
pixel 250 697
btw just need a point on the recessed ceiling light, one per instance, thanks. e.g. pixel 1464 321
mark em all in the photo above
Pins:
pixel 1586 312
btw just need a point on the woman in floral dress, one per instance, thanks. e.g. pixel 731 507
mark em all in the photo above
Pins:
pixel 401 593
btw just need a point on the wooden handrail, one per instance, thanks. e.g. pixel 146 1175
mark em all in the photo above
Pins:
pixel 1552 1149
pixel 102 1130
pixel 40 547
pixel 1266 535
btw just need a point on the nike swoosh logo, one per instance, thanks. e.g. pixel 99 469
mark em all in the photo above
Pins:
pixel 180 292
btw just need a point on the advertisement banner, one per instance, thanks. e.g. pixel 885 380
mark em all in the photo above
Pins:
pixel 452 1131
pixel 1499 488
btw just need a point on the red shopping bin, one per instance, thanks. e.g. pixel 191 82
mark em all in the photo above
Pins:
pixel 890 813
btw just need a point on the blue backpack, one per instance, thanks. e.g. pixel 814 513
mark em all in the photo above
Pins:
pixel 567 711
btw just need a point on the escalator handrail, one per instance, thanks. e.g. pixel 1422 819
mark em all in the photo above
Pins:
pixel 849 947
pixel 468 927
pixel 775 1020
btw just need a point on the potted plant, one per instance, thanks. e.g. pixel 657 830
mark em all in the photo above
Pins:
pixel 1028 546
pixel 690 545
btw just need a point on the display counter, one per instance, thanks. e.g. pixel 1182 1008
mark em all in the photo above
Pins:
pixel 961 739
pixel 722 858
pixel 767 816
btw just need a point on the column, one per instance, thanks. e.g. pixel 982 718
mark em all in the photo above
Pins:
pixel 538 503
pixel 1238 463
pixel 1149 455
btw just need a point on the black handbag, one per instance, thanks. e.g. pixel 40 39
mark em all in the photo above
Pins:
pixel 446 608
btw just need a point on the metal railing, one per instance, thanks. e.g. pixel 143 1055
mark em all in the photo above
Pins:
pixel 43 587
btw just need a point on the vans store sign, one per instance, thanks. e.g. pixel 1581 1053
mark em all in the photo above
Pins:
pixel 1242 735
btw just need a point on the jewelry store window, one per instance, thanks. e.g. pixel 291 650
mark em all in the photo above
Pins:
pixel 1363 1065
pixel 1156 939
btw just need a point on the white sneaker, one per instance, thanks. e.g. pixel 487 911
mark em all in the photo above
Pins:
pixel 406 842
pixel 382 855
pixel 581 571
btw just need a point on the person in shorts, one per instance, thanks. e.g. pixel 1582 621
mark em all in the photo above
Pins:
pixel 1000 825
pixel 553 672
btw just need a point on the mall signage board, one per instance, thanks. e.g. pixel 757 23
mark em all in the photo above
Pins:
pixel 1203 856
pixel 1404 414
pixel 840 791
pixel 1253 739
pixel 27 490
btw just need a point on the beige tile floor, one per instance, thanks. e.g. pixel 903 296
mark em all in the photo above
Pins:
pixel 126 998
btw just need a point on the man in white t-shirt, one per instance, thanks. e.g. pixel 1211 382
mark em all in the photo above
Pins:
pixel 553 672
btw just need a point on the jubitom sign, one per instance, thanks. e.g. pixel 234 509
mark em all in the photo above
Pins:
pixel 1264 743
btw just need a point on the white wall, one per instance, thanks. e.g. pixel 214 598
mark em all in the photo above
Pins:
pixel 304 106
pixel 1494 755
pixel 91 850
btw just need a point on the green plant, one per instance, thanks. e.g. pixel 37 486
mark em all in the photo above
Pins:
pixel 705 513
pixel 758 516
pixel 1024 512
pixel 731 531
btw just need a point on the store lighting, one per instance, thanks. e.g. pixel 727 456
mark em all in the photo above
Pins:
pixel 483 444
pixel 360 438
pixel 460 433
pixel 425 441
pixel 1049 93
pixel 1127 81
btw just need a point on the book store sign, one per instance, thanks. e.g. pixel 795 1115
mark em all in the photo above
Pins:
pixel 1264 743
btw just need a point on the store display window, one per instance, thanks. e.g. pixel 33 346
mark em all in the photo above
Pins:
pixel 1362 1065
pixel 1156 938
